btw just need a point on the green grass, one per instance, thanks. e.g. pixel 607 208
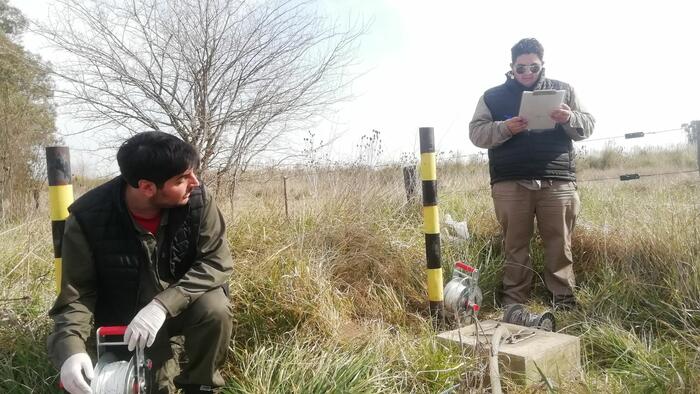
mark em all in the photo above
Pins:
pixel 333 299
pixel 614 156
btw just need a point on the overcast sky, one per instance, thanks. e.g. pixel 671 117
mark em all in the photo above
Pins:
pixel 634 65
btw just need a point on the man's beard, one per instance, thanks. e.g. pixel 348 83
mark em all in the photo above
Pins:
pixel 167 205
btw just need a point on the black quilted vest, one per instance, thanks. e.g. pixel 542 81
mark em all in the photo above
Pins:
pixel 119 255
pixel 533 154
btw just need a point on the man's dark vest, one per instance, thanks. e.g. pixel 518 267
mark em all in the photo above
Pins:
pixel 533 154
pixel 119 254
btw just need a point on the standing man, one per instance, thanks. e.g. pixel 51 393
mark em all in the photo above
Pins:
pixel 533 175
pixel 147 249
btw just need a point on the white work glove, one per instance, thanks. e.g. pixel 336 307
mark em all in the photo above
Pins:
pixel 143 329
pixel 72 373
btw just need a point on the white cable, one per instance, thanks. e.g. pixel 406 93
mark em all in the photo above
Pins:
pixel 112 379
pixel 496 339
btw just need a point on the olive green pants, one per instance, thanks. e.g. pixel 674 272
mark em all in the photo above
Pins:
pixel 555 206
pixel 206 327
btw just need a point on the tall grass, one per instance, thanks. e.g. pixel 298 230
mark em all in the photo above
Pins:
pixel 26 289
pixel 333 299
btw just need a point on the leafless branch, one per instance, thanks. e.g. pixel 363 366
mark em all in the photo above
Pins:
pixel 229 76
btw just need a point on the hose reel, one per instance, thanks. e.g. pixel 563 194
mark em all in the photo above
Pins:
pixel 462 295
pixel 518 314
pixel 119 371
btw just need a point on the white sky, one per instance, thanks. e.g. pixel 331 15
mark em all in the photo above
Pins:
pixel 634 65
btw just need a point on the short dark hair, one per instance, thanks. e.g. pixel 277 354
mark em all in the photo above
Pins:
pixel 155 156
pixel 525 46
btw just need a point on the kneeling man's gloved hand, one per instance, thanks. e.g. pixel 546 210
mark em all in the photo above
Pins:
pixel 72 373
pixel 143 329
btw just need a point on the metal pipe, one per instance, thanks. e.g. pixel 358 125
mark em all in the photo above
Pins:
pixel 431 222
pixel 60 197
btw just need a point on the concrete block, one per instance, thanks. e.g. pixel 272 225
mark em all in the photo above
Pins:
pixel 557 355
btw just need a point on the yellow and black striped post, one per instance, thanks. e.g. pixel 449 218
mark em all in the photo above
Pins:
pixel 60 197
pixel 431 221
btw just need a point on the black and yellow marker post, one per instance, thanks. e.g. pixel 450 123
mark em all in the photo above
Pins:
pixel 431 221
pixel 60 197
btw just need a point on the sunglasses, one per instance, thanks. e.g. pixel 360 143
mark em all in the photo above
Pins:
pixel 534 68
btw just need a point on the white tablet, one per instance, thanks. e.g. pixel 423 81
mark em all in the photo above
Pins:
pixel 536 106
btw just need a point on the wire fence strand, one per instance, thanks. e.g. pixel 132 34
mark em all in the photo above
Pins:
pixel 298 170
pixel 632 135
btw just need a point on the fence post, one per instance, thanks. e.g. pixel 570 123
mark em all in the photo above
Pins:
pixel 60 197
pixel 286 209
pixel 431 222
pixel 695 128
pixel 409 182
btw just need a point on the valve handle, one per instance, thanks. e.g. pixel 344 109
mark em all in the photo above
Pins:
pixel 465 267
pixel 111 330
pixel 474 307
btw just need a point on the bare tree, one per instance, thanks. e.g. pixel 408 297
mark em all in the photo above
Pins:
pixel 229 76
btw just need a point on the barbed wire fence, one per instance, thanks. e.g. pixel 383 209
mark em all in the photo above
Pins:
pixel 408 165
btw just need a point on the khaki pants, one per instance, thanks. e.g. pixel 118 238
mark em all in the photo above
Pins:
pixel 555 206
pixel 206 326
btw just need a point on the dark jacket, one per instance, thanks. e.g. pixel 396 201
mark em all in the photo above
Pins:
pixel 112 267
pixel 119 255
pixel 534 154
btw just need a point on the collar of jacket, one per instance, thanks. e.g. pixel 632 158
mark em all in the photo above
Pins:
pixel 119 198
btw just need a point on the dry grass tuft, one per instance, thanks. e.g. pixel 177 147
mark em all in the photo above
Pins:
pixel 332 298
